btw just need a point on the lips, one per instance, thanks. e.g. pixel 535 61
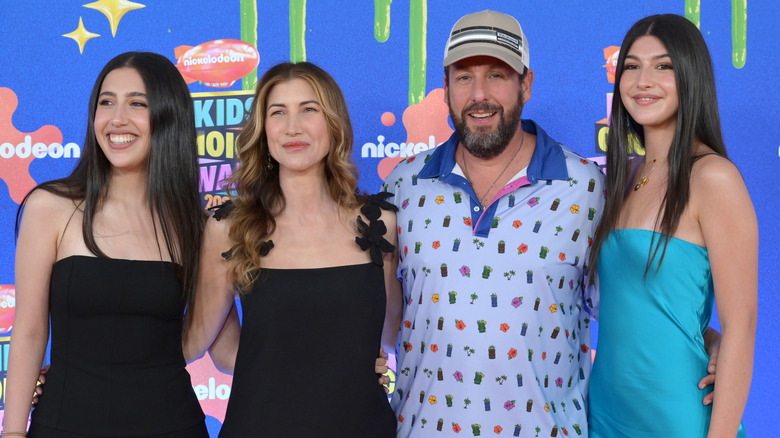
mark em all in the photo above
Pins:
pixel 644 99
pixel 481 111
pixel 295 145
pixel 481 115
pixel 121 140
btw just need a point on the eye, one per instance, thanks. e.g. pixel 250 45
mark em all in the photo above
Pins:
pixel 630 66
pixel 665 66
pixel 462 77
pixel 105 102
pixel 139 104
pixel 310 109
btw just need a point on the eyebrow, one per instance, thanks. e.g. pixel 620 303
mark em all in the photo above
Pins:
pixel 654 57
pixel 305 102
pixel 130 94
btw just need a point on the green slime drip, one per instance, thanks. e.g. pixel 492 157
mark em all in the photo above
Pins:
pixel 297 30
pixel 418 32
pixel 382 20
pixel 248 10
pixel 693 11
pixel 738 33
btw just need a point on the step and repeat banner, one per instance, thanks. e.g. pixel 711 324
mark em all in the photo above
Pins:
pixel 387 57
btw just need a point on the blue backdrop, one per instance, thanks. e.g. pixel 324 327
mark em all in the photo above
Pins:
pixel 387 58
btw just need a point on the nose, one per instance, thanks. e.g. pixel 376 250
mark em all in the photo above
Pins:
pixel 119 117
pixel 294 124
pixel 645 79
pixel 479 91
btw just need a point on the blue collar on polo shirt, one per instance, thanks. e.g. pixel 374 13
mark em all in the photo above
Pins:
pixel 547 162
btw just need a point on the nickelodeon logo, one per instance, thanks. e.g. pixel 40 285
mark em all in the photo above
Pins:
pixel 218 64
pixel 212 391
pixel 39 150
pixel 392 150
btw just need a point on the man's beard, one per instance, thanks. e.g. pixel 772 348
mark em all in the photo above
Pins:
pixel 488 144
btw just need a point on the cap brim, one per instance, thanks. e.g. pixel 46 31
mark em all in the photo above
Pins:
pixel 477 49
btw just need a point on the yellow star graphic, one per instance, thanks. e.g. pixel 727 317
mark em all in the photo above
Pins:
pixel 114 10
pixel 81 36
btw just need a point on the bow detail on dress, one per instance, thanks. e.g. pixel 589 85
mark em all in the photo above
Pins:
pixel 372 234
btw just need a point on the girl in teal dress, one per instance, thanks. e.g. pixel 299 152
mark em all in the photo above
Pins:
pixel 678 234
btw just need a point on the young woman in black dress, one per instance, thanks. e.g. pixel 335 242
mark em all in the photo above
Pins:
pixel 110 253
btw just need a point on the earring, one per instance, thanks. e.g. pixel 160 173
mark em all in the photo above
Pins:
pixel 269 165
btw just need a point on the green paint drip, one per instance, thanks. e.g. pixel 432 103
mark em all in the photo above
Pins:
pixel 693 11
pixel 249 35
pixel 738 33
pixel 297 30
pixel 382 20
pixel 418 33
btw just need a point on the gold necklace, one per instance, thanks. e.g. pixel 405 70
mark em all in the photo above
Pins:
pixel 644 180
pixel 466 172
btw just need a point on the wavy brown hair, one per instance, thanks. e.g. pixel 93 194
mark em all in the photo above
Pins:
pixel 698 120
pixel 254 187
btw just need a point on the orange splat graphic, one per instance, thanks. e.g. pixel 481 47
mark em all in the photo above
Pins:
pixel 15 171
pixel 611 54
pixel 422 120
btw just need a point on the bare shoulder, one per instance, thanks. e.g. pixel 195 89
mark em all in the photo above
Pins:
pixel 44 200
pixel 48 207
pixel 44 222
pixel 713 176
pixel 717 183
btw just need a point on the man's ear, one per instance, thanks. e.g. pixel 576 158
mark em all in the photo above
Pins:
pixel 528 80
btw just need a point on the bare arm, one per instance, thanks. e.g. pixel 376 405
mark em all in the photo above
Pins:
pixel 224 349
pixel 730 233
pixel 36 253
pixel 214 297
pixel 394 307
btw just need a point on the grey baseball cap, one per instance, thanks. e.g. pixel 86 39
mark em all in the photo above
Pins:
pixel 488 33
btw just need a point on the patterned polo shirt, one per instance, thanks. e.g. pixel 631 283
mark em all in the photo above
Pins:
pixel 495 337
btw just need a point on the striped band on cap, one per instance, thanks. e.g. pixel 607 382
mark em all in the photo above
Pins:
pixel 486 34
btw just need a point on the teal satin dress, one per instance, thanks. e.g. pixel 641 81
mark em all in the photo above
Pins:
pixel 651 352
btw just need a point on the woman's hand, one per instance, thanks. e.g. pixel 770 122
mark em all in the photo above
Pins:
pixel 381 368
pixel 39 387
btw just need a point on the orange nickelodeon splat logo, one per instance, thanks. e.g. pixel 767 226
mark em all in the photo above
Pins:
pixel 18 149
pixel 611 54
pixel 218 63
pixel 426 126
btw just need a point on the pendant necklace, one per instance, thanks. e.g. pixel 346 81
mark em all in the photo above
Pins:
pixel 466 172
pixel 644 180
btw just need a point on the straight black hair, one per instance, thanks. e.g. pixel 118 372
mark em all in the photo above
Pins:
pixel 698 120
pixel 172 182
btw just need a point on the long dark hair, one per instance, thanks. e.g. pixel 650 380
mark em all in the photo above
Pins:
pixel 172 182
pixel 698 120
pixel 256 193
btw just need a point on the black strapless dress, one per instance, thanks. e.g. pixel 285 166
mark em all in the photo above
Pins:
pixel 117 367
pixel 309 339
